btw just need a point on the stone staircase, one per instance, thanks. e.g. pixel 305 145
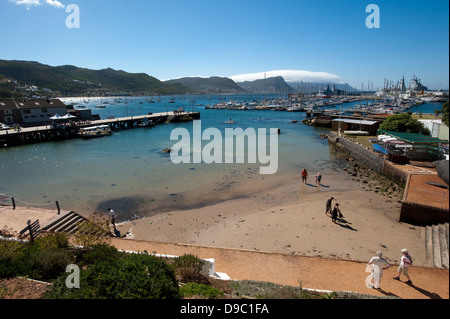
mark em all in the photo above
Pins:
pixel 437 245
pixel 67 223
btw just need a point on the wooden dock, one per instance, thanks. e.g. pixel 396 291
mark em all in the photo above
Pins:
pixel 64 131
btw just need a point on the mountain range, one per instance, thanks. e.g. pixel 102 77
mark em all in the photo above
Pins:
pixel 71 80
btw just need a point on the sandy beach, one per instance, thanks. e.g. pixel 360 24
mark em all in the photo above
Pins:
pixel 291 219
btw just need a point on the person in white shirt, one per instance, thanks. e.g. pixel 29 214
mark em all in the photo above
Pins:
pixel 405 263
pixel 378 264
pixel 112 218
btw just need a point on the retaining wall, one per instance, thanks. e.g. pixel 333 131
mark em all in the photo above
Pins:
pixel 361 154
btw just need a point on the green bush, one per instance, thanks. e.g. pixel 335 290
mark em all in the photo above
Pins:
pixel 41 260
pixel 97 253
pixel 12 258
pixel 47 263
pixel 200 290
pixel 190 268
pixel 135 276
pixel 53 240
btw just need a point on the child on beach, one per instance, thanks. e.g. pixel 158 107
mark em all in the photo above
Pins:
pixel 318 178
pixel 405 263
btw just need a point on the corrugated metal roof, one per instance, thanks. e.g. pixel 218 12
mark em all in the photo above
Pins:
pixel 363 122
pixel 414 137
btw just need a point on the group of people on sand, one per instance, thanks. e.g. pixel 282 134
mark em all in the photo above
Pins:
pixel 378 264
pixel 335 212
pixel 318 177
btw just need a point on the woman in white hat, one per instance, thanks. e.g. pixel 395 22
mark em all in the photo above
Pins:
pixel 405 263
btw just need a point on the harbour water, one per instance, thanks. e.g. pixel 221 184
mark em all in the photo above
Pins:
pixel 129 172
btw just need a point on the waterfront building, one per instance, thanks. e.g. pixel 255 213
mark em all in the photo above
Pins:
pixel 30 111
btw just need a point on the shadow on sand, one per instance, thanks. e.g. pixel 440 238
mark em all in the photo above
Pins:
pixel 344 224
pixel 430 295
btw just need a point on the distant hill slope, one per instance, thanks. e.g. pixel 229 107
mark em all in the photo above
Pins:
pixel 298 80
pixel 71 79
pixel 271 85
pixel 213 84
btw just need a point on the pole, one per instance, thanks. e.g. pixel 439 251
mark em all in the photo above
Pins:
pixel 13 203
pixel 57 206
pixel 30 230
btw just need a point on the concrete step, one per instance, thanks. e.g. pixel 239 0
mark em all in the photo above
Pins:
pixel 67 223
pixel 62 227
pixel 443 246
pixel 436 247
pixel 429 245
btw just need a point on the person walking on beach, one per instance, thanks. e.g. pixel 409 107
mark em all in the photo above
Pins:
pixel 318 178
pixel 405 263
pixel 304 175
pixel 336 212
pixel 378 264
pixel 328 208
pixel 112 218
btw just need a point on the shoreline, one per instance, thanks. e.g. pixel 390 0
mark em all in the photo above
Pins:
pixel 290 219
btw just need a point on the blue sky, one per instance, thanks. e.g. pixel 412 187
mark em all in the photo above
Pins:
pixel 174 38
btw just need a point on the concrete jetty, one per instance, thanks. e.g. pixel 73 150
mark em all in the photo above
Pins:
pixel 63 131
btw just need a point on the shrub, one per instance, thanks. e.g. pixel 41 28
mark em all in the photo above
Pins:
pixel 136 276
pixel 200 290
pixel 53 240
pixel 12 257
pixel 190 268
pixel 92 231
pixel 97 253
pixel 47 263
pixel 404 123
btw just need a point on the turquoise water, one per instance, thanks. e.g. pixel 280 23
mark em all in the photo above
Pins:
pixel 128 171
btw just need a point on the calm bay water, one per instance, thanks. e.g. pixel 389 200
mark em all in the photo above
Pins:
pixel 128 171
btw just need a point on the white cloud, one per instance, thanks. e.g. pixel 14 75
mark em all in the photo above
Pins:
pixel 35 3
pixel 291 76
pixel 54 3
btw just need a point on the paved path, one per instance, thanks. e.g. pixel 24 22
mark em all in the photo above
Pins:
pixel 308 272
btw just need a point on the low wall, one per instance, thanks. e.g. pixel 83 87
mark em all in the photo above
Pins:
pixel 369 158
pixel 361 154
pixel 421 215
pixel 398 176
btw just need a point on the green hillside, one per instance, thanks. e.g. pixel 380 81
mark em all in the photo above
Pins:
pixel 70 79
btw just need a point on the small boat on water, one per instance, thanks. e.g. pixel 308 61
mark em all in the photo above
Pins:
pixel 95 131
pixel 146 123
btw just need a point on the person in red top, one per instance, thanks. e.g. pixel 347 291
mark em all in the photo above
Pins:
pixel 304 175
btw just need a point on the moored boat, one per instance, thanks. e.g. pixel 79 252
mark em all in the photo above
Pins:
pixel 95 131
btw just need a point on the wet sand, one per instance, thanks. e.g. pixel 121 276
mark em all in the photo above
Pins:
pixel 290 219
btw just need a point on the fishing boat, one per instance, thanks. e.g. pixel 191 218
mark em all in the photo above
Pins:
pixel 95 131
